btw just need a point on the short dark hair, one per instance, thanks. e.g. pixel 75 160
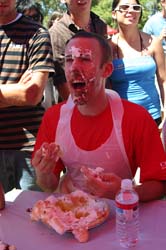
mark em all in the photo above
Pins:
pixel 23 5
pixel 103 43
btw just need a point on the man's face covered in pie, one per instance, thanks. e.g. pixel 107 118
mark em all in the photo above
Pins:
pixel 82 68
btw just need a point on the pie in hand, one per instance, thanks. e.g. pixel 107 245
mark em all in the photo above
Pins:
pixel 97 172
pixel 76 212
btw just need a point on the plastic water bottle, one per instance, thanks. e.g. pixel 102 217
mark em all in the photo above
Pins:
pixel 127 214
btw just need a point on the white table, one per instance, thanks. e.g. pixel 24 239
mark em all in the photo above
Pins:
pixel 16 228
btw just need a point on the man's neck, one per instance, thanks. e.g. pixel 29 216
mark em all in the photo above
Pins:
pixel 81 20
pixel 94 107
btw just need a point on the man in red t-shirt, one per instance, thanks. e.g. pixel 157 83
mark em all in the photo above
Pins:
pixel 98 137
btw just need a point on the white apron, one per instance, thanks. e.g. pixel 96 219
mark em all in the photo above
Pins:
pixel 111 155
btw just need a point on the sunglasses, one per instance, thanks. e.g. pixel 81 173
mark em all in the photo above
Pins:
pixel 126 7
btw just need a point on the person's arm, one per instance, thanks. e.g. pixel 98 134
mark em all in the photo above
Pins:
pixel 108 184
pixel 28 91
pixel 28 86
pixel 47 182
pixel 162 34
pixel 46 155
pixel 144 148
pixel 159 57
pixel 150 190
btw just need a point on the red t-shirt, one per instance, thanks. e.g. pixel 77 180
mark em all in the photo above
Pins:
pixel 140 133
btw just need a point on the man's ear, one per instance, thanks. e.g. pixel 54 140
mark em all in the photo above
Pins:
pixel 108 69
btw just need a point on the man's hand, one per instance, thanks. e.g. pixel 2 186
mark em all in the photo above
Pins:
pixel 44 162
pixel 46 157
pixel 102 184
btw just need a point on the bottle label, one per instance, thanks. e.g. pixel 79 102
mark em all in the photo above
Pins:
pixel 127 212
pixel 132 206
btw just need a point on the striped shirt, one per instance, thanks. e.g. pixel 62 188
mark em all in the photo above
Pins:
pixel 24 45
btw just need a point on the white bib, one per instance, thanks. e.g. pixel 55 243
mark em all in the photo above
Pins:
pixel 111 155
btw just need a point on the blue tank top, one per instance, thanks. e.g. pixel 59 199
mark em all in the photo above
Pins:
pixel 134 80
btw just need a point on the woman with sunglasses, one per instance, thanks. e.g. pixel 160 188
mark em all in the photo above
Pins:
pixel 137 58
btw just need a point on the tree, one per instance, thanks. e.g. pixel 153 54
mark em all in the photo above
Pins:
pixel 103 9
pixel 49 6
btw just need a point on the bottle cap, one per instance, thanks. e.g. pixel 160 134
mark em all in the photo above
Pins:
pixel 126 184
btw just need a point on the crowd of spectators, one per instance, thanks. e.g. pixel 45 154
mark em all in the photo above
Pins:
pixel 55 96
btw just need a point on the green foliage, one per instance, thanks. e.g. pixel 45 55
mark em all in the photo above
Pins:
pixel 49 6
pixel 103 9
